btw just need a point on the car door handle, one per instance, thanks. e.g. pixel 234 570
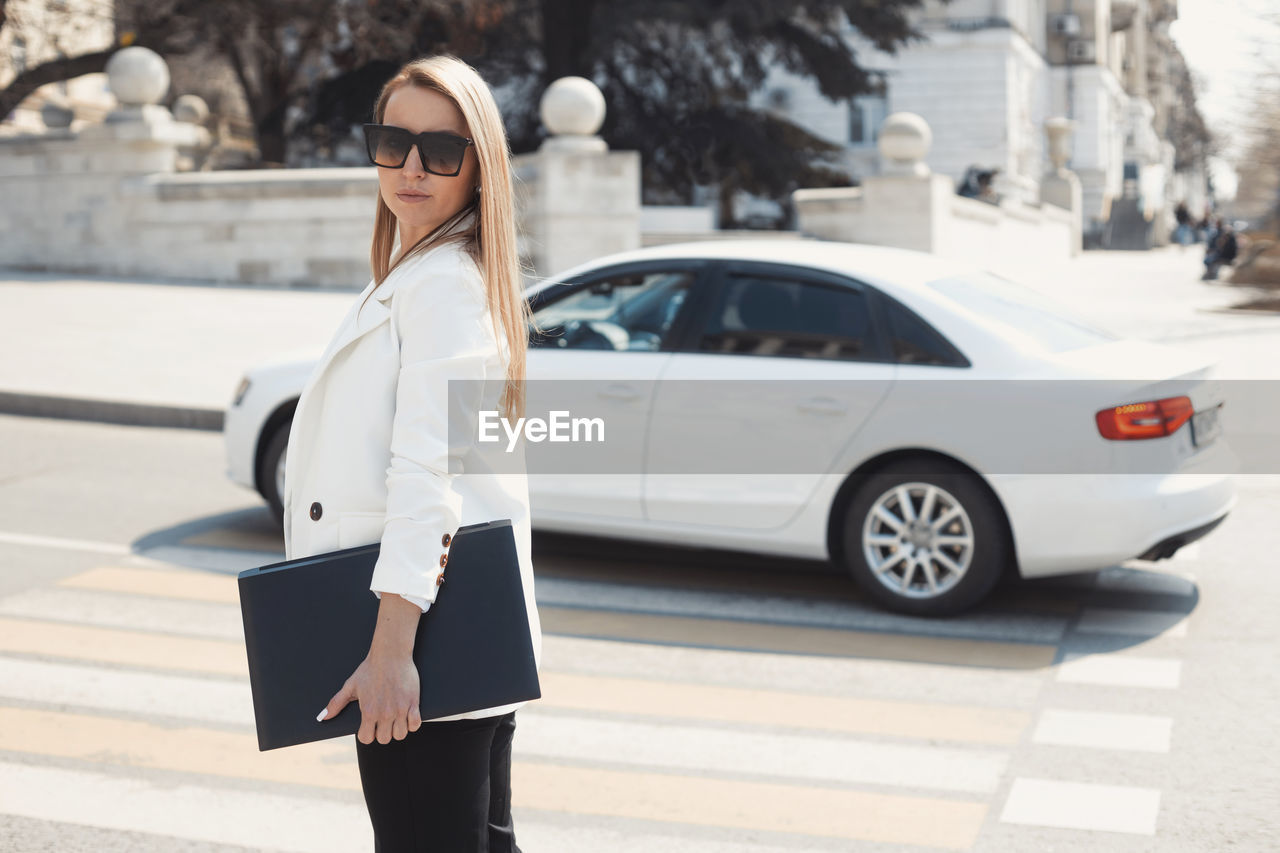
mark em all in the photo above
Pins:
pixel 822 406
pixel 625 393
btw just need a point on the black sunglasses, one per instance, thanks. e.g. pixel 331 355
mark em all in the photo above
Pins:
pixel 441 152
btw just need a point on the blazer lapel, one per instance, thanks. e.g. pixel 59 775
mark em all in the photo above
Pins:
pixel 364 316
pixel 367 315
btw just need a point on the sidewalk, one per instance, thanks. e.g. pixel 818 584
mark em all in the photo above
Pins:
pixel 150 353
pixel 171 354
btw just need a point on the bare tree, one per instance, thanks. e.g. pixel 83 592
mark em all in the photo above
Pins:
pixel 1258 161
pixel 165 26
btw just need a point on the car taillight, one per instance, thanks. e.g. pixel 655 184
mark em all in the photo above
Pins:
pixel 1152 419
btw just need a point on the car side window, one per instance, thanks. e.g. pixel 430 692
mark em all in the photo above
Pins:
pixel 630 311
pixel 913 341
pixel 770 315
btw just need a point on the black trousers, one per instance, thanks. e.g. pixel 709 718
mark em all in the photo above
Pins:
pixel 445 787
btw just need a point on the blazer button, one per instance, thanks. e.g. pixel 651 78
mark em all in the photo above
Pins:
pixel 445 540
pixel 443 559
pixel 316 510
pixel 439 579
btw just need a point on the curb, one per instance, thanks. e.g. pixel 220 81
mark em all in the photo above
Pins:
pixel 110 411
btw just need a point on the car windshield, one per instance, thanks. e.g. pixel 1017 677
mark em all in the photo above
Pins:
pixel 1021 309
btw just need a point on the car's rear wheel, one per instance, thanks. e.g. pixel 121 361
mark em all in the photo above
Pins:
pixel 925 537
pixel 271 471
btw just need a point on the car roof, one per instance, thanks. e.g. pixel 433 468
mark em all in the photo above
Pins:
pixel 878 264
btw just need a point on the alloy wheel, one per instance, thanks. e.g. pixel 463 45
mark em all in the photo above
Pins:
pixel 918 540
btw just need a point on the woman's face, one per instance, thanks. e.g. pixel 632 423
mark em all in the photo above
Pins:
pixel 417 110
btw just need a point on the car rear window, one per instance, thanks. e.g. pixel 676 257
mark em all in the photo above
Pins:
pixel 1022 309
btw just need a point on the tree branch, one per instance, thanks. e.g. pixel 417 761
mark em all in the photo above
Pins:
pixel 51 72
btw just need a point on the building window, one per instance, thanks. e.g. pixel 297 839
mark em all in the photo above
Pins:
pixel 867 112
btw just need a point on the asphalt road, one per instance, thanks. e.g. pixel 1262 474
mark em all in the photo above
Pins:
pixel 693 700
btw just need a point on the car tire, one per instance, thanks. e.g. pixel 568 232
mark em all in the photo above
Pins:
pixel 908 569
pixel 272 462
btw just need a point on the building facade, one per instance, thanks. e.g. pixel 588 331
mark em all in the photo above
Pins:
pixel 992 71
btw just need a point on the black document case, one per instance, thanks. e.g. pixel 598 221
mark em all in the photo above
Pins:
pixel 308 623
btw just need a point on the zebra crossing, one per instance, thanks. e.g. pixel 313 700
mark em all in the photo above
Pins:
pixel 125 710
pixel 1110 654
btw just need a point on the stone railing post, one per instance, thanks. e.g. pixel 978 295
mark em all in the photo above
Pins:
pixel 139 136
pixel 1060 186
pixel 78 179
pixel 904 206
pixel 576 199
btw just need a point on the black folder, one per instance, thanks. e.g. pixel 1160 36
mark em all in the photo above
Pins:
pixel 308 624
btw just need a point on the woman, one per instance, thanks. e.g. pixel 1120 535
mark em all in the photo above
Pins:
pixel 371 456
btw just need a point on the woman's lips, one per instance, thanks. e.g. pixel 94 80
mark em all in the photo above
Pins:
pixel 411 199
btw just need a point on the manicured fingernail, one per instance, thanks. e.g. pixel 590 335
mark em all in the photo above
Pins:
pixel 320 716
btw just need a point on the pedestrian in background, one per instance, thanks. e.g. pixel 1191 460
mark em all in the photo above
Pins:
pixel 381 455
pixel 977 184
pixel 1182 233
pixel 1221 249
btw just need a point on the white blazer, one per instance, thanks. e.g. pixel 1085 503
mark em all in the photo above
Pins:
pixel 369 457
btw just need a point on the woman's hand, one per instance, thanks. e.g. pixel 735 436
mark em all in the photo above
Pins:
pixel 386 682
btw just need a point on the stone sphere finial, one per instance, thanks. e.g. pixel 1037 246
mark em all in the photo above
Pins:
pixel 572 106
pixel 190 108
pixel 905 139
pixel 137 76
pixel 57 114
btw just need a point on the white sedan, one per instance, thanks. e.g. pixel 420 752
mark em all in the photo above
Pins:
pixel 924 423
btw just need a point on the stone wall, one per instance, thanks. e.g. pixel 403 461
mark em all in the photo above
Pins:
pixel 910 207
pixel 117 209
pixel 308 227
pixel 108 198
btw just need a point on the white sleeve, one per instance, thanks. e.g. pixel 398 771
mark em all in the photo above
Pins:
pixel 445 334
pixel 421 602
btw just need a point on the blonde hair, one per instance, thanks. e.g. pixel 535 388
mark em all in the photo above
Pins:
pixel 491 239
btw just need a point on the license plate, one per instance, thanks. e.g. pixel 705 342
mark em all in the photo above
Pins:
pixel 1206 426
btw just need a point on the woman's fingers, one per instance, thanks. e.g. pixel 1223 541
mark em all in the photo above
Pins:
pixel 395 727
pixel 388 694
pixel 339 701
pixel 368 725
pixel 384 730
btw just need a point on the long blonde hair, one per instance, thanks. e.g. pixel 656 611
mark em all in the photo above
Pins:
pixel 491 239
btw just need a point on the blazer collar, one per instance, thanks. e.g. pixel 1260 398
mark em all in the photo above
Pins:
pixel 363 317
pixel 383 291
pixel 367 314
